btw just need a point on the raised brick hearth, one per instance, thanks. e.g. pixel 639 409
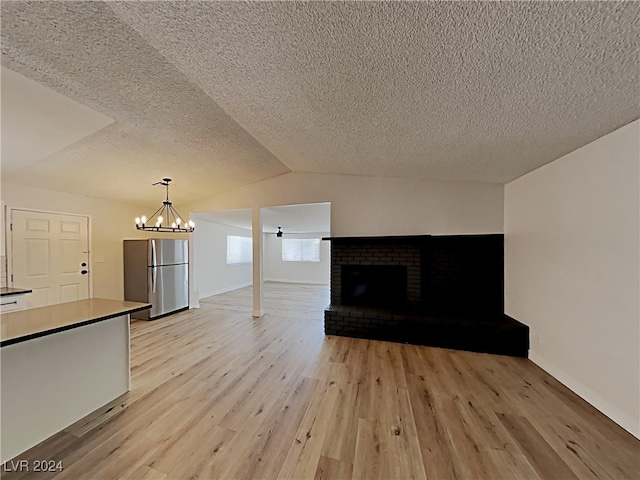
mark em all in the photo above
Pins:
pixel 452 295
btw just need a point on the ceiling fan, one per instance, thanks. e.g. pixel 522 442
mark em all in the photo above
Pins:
pixel 280 233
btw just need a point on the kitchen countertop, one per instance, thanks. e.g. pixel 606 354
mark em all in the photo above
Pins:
pixel 7 291
pixel 23 325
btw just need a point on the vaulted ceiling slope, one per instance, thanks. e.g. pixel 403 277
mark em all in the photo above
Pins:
pixel 219 94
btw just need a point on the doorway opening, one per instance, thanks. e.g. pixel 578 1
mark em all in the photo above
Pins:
pixel 223 264
pixel 296 261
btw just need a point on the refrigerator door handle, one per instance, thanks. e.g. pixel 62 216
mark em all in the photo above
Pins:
pixel 153 279
pixel 154 260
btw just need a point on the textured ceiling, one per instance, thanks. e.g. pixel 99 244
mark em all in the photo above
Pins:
pixel 31 126
pixel 219 94
pixel 164 124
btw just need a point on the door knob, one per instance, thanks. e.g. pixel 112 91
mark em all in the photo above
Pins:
pixel 84 272
pixel 83 264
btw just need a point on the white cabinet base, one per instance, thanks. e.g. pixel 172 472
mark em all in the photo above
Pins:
pixel 50 382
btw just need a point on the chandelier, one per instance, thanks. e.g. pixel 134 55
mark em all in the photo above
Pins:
pixel 166 218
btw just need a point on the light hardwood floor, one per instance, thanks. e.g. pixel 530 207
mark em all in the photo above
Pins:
pixel 218 394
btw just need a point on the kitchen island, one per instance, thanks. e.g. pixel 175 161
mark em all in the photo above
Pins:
pixel 58 364
pixel 8 291
pixel 13 298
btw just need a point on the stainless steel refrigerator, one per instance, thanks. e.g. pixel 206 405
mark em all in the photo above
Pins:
pixel 156 271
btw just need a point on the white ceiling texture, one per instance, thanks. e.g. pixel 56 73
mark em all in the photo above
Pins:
pixel 222 94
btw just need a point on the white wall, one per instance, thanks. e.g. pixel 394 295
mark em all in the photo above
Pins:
pixel 211 273
pixel 572 258
pixel 299 272
pixel 377 206
pixel 111 223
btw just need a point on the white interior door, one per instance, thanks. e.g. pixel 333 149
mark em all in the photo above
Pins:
pixel 50 255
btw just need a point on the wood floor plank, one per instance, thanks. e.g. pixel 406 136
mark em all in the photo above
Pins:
pixel 541 456
pixel 390 363
pixel 343 425
pixel 471 371
pixel 402 437
pixel 305 451
pixel 491 432
pixel 371 461
pixel 217 394
pixel 435 445
pixel 332 469
pixel 144 473
pixel 188 444
pixel 471 458
pixel 513 465
pixel 279 430
pixel 120 455
pixel 204 450
pixel 239 453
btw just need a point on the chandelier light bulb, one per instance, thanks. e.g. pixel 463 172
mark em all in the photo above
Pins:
pixel 173 225
pixel 191 224
pixel 143 219
pixel 160 219
pixel 178 221
pixel 137 220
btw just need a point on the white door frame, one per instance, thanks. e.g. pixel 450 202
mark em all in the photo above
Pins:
pixel 9 243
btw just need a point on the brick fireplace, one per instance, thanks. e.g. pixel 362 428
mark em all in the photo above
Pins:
pixel 433 290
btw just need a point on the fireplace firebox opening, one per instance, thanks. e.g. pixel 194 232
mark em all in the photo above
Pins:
pixel 383 286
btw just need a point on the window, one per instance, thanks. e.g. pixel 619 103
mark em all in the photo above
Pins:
pixel 301 250
pixel 239 250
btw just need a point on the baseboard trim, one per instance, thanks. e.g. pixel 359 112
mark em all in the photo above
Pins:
pixel 614 413
pixel 224 290
pixel 288 280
